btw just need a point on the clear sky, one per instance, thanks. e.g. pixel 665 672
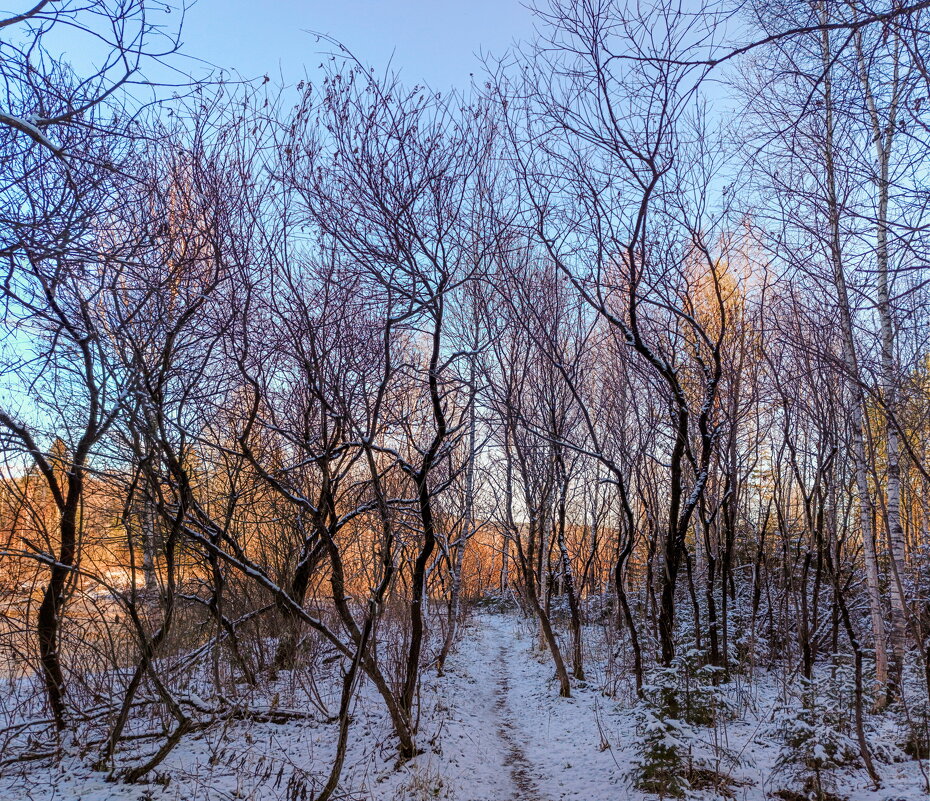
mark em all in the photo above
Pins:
pixel 430 40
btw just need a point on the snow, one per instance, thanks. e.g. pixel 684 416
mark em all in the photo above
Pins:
pixel 31 127
pixel 493 728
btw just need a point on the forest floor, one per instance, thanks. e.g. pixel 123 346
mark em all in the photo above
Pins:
pixel 493 728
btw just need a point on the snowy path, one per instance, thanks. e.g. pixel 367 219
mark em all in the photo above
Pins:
pixel 509 735
pixel 480 749
pixel 521 772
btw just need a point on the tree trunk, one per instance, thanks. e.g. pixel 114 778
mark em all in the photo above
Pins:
pixel 458 548
pixel 883 138
pixel 53 600
pixel 858 400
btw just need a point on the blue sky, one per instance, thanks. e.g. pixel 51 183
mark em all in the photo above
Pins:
pixel 431 40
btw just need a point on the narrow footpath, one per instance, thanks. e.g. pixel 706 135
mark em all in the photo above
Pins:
pixel 509 735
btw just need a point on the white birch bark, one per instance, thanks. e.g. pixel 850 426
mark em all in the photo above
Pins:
pixel 882 132
pixel 852 367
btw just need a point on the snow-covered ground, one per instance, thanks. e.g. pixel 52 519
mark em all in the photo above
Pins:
pixel 493 729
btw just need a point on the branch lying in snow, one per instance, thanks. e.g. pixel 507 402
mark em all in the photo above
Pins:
pixel 264 715
pixel 32 128
pixel 212 716
pixel 197 653
pixel 30 756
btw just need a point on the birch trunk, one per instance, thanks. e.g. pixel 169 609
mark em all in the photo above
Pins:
pixel 852 368
pixel 883 139
pixel 148 547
